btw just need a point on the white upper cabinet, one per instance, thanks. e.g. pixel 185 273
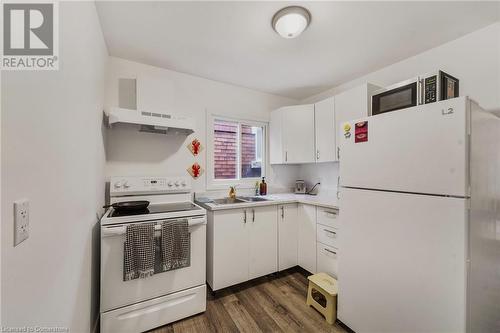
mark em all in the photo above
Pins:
pixel 352 104
pixel 311 133
pixel 291 138
pixel 276 151
pixel 324 119
pixel 298 134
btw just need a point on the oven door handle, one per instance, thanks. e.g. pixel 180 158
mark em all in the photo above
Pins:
pixel 121 229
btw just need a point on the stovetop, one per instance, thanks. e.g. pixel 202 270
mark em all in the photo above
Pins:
pixel 159 209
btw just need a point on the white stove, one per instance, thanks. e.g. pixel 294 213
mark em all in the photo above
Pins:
pixel 143 304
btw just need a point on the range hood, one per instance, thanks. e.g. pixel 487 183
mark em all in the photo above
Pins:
pixel 152 122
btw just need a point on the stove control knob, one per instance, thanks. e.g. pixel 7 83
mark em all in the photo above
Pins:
pixel 177 184
pixel 118 185
pixel 183 183
pixel 170 184
pixel 126 184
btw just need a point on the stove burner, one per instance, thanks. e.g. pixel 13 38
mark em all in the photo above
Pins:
pixel 157 209
pixel 117 213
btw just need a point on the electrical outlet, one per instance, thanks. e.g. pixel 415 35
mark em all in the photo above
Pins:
pixel 21 220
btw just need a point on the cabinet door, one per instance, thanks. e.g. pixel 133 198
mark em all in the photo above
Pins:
pixel 352 104
pixel 324 120
pixel 276 154
pixel 307 237
pixel 298 133
pixel 230 248
pixel 287 236
pixel 263 241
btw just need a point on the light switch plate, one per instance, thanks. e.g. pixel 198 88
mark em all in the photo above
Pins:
pixel 21 220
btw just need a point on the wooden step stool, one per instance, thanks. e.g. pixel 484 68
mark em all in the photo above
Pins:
pixel 322 295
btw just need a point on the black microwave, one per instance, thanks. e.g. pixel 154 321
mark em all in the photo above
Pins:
pixel 424 89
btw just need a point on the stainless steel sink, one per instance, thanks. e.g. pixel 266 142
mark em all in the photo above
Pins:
pixel 254 199
pixel 228 201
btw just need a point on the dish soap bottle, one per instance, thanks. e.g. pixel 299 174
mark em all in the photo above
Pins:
pixel 263 187
pixel 257 188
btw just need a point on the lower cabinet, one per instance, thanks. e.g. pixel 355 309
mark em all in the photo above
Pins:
pixel 327 257
pixel 307 237
pixel 327 252
pixel 263 238
pixel 246 243
pixel 287 236
pixel 242 244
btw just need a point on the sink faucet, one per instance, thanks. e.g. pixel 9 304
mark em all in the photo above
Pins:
pixel 232 192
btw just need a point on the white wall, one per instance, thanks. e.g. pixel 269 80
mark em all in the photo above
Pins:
pixel 324 173
pixel 473 58
pixel 131 152
pixel 53 154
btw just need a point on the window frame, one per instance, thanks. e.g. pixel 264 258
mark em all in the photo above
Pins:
pixel 217 184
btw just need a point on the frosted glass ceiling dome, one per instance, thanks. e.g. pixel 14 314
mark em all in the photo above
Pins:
pixel 289 22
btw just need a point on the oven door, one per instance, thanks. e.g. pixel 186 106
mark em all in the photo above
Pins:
pixel 400 96
pixel 116 293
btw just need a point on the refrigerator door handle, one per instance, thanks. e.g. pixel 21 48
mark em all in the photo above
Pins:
pixel 338 187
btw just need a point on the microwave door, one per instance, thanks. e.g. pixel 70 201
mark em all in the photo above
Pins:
pixel 449 86
pixel 395 99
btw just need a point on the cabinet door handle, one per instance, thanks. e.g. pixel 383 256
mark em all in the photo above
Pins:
pixel 333 252
pixel 329 231
pixel 286 156
pixel 245 216
pixel 338 153
pixel 253 215
pixel 282 212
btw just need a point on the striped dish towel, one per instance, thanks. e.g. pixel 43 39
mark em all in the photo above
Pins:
pixel 139 261
pixel 175 244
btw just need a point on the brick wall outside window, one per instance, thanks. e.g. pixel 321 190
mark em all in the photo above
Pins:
pixel 248 153
pixel 226 151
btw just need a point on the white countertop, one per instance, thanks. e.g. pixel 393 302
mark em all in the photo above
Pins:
pixel 277 199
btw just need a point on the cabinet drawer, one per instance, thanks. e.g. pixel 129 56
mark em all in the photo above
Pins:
pixel 327 235
pixel 159 311
pixel 327 258
pixel 328 216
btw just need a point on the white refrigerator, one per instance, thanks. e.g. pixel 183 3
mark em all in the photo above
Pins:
pixel 420 220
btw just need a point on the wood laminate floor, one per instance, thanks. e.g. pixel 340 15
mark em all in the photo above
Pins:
pixel 274 303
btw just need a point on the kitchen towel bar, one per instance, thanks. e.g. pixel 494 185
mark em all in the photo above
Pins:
pixel 120 230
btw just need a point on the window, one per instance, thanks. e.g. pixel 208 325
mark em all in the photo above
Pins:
pixel 236 151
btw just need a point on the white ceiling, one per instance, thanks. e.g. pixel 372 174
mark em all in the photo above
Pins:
pixel 234 42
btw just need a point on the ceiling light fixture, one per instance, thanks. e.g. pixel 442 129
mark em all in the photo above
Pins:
pixel 289 22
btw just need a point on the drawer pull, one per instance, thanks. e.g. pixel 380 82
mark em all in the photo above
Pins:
pixel 333 252
pixel 329 231
pixel 331 214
